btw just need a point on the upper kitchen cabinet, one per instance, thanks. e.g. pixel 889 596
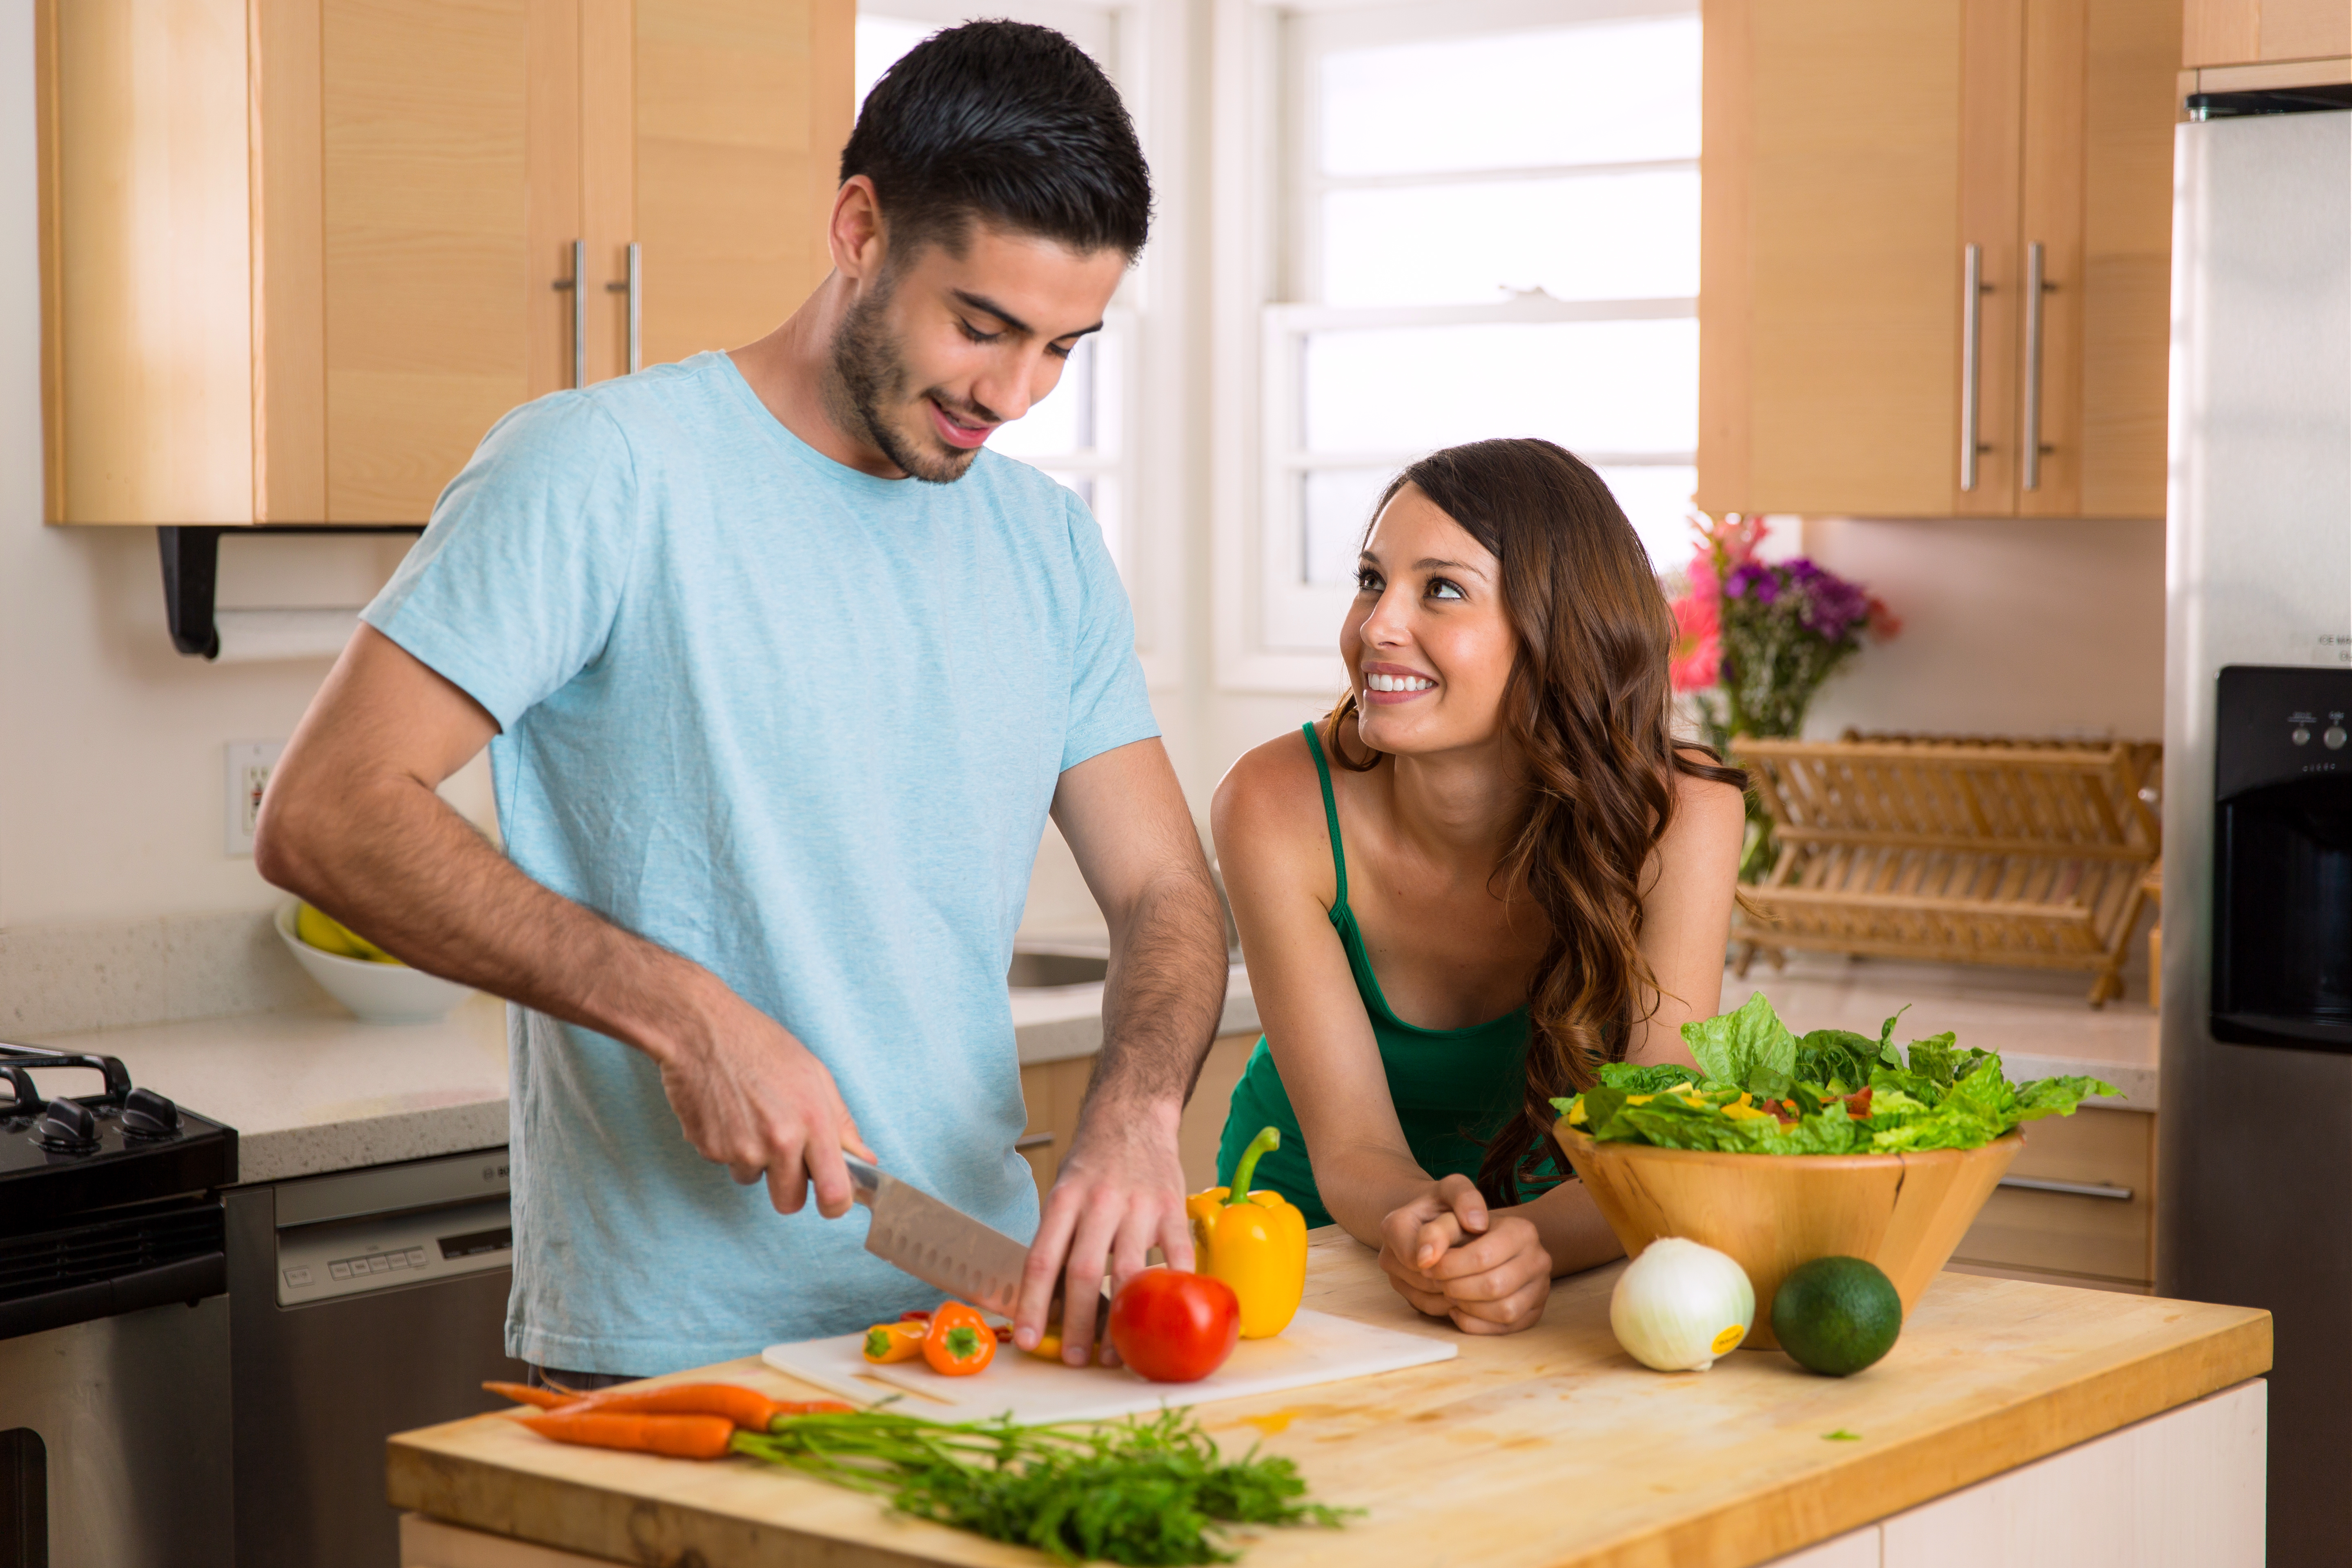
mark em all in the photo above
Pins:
pixel 2280 35
pixel 298 255
pixel 1934 257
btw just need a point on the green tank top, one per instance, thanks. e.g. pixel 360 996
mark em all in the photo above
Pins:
pixel 1453 1089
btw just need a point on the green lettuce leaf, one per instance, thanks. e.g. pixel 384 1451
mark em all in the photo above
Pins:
pixel 1750 1048
pixel 2057 1096
pixel 1838 1058
pixel 1635 1079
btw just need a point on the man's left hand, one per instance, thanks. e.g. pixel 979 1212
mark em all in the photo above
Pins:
pixel 1119 1194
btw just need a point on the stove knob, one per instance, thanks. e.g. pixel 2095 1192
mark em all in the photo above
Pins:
pixel 2333 738
pixel 67 1127
pixel 146 1114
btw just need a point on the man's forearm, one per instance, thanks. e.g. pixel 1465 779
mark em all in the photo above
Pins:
pixel 389 857
pixel 1164 995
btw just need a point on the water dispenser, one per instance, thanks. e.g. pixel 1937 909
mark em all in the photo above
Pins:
pixel 2283 858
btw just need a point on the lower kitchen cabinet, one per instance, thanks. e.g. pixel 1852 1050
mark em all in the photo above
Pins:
pixel 1055 1091
pixel 2183 1490
pixel 2090 1223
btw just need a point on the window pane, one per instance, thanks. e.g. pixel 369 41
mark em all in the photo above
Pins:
pixel 880 41
pixel 1602 386
pixel 1339 502
pixel 1657 502
pixel 1598 237
pixel 1064 420
pixel 1602 93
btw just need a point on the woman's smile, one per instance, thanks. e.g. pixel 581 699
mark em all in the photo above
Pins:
pixel 1391 683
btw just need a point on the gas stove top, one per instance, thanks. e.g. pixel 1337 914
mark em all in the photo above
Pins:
pixel 65 1159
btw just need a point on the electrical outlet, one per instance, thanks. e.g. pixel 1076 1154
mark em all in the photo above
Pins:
pixel 250 764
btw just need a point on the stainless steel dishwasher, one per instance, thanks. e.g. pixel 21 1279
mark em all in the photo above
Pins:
pixel 361 1304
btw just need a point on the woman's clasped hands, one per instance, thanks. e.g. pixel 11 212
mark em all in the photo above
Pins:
pixel 1451 1257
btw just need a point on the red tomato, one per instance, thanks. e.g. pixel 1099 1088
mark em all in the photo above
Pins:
pixel 1175 1328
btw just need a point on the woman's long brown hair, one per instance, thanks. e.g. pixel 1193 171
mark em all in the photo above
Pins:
pixel 1588 703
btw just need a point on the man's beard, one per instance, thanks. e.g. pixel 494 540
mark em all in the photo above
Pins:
pixel 869 376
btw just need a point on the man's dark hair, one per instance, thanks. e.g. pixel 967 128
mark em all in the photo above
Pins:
pixel 1006 122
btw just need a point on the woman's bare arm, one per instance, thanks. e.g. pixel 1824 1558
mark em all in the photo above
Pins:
pixel 1275 852
pixel 1686 900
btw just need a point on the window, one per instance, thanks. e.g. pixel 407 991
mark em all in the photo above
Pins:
pixel 1075 434
pixel 1483 230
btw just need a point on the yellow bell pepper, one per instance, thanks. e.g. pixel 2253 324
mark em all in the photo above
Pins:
pixel 1254 1242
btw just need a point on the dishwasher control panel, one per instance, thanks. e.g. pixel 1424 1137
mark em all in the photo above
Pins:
pixel 353 1257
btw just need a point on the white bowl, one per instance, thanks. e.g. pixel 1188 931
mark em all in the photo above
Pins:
pixel 378 993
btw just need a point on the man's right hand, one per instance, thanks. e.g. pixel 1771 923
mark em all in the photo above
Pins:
pixel 753 1099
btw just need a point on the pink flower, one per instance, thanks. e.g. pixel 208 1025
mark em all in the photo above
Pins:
pixel 1697 662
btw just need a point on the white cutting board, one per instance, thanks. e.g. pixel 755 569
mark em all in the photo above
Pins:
pixel 1314 1348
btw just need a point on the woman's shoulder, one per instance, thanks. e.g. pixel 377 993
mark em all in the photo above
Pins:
pixel 1270 799
pixel 1712 805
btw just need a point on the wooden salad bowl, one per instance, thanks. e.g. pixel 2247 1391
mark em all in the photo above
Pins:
pixel 1769 1213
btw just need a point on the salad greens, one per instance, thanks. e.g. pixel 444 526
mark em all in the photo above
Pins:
pixel 1763 1090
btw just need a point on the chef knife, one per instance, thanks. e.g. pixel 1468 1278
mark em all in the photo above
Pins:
pixel 938 1245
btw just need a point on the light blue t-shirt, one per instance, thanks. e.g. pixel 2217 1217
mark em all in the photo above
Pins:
pixel 803 726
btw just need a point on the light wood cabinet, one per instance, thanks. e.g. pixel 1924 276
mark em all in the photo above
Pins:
pixel 298 255
pixel 2078 1206
pixel 2265 32
pixel 1857 155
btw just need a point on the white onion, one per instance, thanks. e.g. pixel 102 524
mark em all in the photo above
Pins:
pixel 1680 1305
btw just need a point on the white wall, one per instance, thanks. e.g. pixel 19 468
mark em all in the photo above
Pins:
pixel 2010 627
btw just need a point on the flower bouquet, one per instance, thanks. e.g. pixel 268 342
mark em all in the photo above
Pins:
pixel 1753 642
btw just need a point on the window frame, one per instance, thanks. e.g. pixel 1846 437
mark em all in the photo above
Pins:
pixel 1148 51
pixel 1273 630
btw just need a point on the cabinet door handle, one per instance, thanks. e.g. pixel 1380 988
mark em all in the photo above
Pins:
pixel 2072 1189
pixel 1972 293
pixel 2031 447
pixel 577 285
pixel 1034 1140
pixel 629 286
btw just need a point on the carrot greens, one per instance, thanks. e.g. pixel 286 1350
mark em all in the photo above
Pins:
pixel 1146 1491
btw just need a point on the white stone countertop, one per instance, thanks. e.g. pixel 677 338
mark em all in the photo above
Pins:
pixel 313 1089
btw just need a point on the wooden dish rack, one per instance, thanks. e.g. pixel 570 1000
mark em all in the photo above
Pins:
pixel 2028 853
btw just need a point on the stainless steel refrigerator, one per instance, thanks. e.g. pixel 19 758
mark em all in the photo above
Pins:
pixel 2254 1190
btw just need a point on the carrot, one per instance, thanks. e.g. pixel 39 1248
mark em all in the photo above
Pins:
pixel 524 1393
pixel 679 1436
pixel 745 1407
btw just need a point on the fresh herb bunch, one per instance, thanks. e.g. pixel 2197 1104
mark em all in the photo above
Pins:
pixel 1143 1492
pixel 1763 1090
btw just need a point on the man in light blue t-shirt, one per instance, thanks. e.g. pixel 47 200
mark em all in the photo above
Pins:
pixel 781 673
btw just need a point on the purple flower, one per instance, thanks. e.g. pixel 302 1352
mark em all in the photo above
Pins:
pixel 1753 579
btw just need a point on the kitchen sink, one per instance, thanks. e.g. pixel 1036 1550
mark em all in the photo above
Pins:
pixel 1035 969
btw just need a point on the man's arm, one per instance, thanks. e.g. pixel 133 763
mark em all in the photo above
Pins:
pixel 351 824
pixel 1120 1191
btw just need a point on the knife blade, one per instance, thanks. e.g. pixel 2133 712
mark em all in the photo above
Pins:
pixel 938 1244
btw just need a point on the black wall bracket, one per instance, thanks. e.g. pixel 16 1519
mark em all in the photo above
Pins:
pixel 191 574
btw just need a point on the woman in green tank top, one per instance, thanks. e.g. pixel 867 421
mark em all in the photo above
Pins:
pixel 1490 869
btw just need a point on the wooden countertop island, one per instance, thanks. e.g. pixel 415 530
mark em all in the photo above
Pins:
pixel 1550 1449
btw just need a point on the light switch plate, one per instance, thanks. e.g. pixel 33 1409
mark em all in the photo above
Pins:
pixel 250 764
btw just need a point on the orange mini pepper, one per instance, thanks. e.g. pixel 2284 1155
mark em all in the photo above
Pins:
pixel 960 1341
pixel 901 1341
